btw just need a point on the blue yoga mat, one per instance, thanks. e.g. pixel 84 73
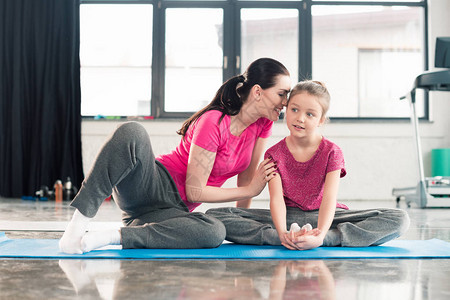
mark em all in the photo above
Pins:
pixel 48 248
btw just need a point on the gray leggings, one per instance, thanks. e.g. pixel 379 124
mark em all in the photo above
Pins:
pixel 152 210
pixel 357 228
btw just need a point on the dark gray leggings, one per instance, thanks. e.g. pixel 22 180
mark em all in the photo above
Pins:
pixel 152 210
pixel 358 228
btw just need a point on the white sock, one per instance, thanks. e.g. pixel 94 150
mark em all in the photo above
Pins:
pixel 71 239
pixel 294 227
pixel 307 227
pixel 96 239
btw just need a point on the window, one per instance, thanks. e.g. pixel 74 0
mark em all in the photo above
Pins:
pixel 115 57
pixel 194 57
pixel 367 1
pixel 270 33
pixel 385 75
pixel 368 56
pixel 168 58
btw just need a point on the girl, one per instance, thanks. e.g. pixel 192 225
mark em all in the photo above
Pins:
pixel 157 195
pixel 305 189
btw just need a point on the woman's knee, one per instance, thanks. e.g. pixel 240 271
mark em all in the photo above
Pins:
pixel 212 233
pixel 131 138
pixel 131 130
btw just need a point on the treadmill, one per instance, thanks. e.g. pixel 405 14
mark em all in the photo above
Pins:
pixel 430 191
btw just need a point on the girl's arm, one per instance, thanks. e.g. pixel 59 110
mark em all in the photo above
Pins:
pixel 326 213
pixel 328 206
pixel 199 168
pixel 277 205
pixel 246 177
pixel 278 213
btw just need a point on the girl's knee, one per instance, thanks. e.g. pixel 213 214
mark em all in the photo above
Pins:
pixel 400 218
pixel 218 211
pixel 403 221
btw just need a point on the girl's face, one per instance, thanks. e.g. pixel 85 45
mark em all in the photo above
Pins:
pixel 274 99
pixel 303 115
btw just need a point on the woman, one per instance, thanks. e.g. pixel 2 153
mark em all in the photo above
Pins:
pixel 157 195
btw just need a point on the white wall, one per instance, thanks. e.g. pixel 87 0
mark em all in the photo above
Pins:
pixel 379 155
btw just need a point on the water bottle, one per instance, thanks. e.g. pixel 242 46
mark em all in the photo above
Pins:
pixel 58 191
pixel 68 190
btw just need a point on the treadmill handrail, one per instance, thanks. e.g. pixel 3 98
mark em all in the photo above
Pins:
pixel 430 81
pixel 433 81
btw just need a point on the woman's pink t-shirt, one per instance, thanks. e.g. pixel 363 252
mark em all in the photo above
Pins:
pixel 303 182
pixel 233 154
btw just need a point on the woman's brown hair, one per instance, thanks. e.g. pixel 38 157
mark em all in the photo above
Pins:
pixel 230 96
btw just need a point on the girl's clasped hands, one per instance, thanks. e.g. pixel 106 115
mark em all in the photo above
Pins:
pixel 301 238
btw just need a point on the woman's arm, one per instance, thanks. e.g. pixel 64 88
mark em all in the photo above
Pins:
pixel 199 168
pixel 326 213
pixel 246 177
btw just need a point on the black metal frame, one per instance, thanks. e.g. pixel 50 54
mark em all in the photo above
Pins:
pixel 232 39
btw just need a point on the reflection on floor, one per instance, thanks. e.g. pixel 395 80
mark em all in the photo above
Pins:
pixel 217 279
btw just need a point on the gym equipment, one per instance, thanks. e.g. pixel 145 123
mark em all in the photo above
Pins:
pixel 430 191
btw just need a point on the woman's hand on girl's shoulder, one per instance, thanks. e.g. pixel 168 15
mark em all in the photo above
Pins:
pixel 265 171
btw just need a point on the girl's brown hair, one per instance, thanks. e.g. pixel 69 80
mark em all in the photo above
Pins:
pixel 314 88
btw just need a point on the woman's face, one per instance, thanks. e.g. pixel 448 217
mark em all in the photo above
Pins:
pixel 274 99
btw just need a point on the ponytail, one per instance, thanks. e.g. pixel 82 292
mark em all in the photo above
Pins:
pixel 234 92
pixel 227 100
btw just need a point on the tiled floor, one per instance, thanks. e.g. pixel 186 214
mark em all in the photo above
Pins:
pixel 217 279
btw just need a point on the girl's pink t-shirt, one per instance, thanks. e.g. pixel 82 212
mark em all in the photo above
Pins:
pixel 303 182
pixel 233 154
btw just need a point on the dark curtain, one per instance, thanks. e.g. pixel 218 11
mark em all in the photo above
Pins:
pixel 40 126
